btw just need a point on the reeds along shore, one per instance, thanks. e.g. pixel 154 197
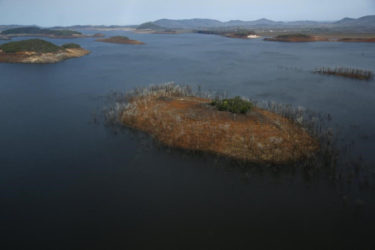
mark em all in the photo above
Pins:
pixel 347 72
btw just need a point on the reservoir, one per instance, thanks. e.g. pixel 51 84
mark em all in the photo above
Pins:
pixel 67 181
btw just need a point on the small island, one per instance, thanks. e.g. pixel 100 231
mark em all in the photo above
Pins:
pixel 234 127
pixel 39 51
pixel 358 40
pixel 295 38
pixel 320 38
pixel 241 34
pixel 120 40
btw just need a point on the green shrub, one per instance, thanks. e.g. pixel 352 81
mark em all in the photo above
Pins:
pixel 36 45
pixel 235 105
pixel 71 46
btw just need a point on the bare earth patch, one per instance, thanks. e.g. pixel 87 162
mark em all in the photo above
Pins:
pixel 191 123
pixel 35 57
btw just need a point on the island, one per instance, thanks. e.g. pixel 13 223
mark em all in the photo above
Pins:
pixel 39 51
pixel 50 33
pixel 120 40
pixel 296 38
pixel 358 40
pixel 233 128
pixel 241 34
pixel 321 38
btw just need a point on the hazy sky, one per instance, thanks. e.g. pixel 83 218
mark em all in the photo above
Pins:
pixel 69 12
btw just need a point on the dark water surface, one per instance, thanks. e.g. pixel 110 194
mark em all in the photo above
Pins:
pixel 68 183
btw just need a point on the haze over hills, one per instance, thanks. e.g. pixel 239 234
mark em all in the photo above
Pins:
pixel 366 21
pixel 363 24
pixel 362 21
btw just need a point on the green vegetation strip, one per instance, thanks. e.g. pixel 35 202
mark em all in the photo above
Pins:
pixel 71 46
pixel 35 45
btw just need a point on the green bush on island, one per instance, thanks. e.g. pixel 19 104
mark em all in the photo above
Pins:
pixel 71 46
pixel 235 105
pixel 36 30
pixel 35 45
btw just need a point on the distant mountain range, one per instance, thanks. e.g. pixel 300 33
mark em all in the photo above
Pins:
pixel 366 21
pixel 362 21
pixel 357 25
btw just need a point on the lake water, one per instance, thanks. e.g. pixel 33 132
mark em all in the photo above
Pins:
pixel 67 182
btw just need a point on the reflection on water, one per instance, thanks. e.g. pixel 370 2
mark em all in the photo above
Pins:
pixel 67 179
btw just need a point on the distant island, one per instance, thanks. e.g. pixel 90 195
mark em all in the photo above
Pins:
pixel 358 40
pixel 296 38
pixel 39 32
pixel 39 51
pixel 120 40
pixel 314 38
pixel 232 127
pixel 242 34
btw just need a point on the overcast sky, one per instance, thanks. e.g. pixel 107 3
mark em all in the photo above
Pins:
pixel 121 12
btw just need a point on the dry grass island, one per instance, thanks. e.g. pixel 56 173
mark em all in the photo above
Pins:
pixel 39 51
pixel 295 38
pixel 120 40
pixel 234 128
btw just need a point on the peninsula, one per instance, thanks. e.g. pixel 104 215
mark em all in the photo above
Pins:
pixel 120 40
pixel 39 51
pixel 229 127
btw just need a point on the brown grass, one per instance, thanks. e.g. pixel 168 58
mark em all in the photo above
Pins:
pixel 34 57
pixel 347 72
pixel 191 123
